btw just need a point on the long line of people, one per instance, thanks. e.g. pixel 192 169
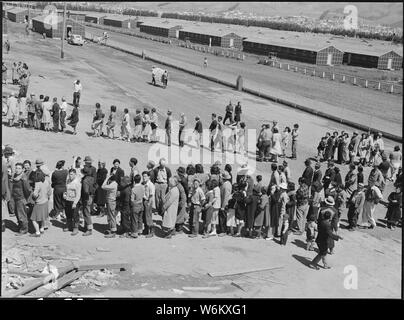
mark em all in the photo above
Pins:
pixel 239 207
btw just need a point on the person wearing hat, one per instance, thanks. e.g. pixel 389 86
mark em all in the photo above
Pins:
pixel 324 237
pixel 133 169
pixel 351 180
pixel 88 164
pixel 393 214
pixel 237 112
pixel 72 198
pixel 153 125
pixel 88 187
pixel 58 179
pixel 55 112
pixel 395 160
pixel 276 148
pixel 126 130
pixel 168 127
pixel 341 198
pixel 295 135
pixel 12 110
pixel 329 175
pixel 302 208
pixel 8 156
pixel 260 141
pixel 138 120
pixel 100 197
pixel 308 172
pixel 41 195
pixel 286 135
pixel 355 206
pixel 181 133
pixel 225 195
pixel 198 132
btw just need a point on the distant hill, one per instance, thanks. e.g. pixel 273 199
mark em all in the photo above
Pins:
pixel 372 12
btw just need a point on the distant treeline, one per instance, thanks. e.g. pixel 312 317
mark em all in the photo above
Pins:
pixel 276 25
pixel 286 26
pixel 92 7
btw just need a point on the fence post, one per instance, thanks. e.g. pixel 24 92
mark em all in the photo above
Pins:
pixel 280 65
pixel 296 69
pixel 392 88
pixel 366 83
pixel 343 78
pixel 379 86
pixel 323 74
pixel 354 81
pixel 288 67
pixel 333 76
pixel 314 72
pixel 305 71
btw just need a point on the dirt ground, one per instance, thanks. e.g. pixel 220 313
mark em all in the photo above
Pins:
pixel 368 107
pixel 159 265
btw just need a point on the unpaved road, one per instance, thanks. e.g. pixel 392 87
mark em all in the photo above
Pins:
pixel 161 265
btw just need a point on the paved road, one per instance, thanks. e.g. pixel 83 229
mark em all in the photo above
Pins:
pixel 361 105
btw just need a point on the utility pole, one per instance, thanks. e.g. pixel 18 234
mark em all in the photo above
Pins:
pixel 62 54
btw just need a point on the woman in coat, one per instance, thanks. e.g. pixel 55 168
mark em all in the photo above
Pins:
pixel 170 207
pixel 393 214
pixel 41 197
pixel 59 178
pixel 100 194
pixel 276 149
pixel 74 118
pixel 46 116
pixel 274 213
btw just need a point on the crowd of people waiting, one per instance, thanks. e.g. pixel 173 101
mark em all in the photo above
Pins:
pixel 239 206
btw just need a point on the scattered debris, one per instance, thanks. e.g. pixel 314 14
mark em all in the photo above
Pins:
pixel 100 249
pixel 237 286
pixel 201 288
pixel 26 273
pixel 230 273
pixel 379 251
pixel 102 266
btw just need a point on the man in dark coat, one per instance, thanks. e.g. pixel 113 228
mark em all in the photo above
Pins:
pixel 55 114
pixel 237 112
pixel 308 172
pixel 198 131
pixel 317 175
pixel 212 129
pixel 229 113
pixel 324 236
pixel 87 196
pixel 160 178
pixel 329 175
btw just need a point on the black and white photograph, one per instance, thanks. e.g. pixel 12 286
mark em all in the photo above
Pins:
pixel 201 150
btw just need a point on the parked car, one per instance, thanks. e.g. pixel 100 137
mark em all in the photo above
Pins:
pixel 76 39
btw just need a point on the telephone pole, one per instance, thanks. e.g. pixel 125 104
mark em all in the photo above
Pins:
pixel 62 54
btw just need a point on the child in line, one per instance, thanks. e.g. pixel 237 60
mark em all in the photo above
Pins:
pixel 311 233
pixel 284 231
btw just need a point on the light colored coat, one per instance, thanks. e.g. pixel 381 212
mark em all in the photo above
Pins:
pixel 170 208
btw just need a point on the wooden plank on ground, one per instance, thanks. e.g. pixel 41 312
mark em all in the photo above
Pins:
pixel 60 283
pixel 102 266
pixel 32 285
pixel 201 288
pixel 27 273
pixel 234 272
